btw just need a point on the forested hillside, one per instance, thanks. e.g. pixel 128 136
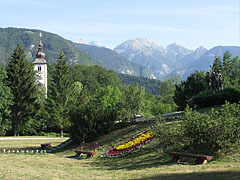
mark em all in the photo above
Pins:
pixel 112 60
pixel 151 85
pixel 52 44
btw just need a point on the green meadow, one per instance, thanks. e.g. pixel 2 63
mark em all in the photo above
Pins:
pixel 148 162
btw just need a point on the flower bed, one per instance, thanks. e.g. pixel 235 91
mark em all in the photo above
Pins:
pixel 129 146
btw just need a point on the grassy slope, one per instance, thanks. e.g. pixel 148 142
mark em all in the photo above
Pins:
pixel 145 163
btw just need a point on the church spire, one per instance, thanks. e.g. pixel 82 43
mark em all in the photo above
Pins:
pixel 40 65
pixel 40 54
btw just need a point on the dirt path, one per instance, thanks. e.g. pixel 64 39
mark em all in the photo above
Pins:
pixel 22 138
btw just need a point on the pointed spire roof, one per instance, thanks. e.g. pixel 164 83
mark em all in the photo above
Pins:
pixel 40 54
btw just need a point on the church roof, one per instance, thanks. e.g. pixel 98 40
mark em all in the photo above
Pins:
pixel 39 61
pixel 40 54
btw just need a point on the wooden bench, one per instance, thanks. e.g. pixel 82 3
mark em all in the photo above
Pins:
pixel 88 146
pixel 46 145
pixel 200 159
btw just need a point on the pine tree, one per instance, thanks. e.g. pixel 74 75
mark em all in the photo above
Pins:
pixel 22 82
pixel 58 99
pixel 5 102
pixel 217 64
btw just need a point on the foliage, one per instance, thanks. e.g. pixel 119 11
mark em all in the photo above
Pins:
pixel 94 77
pixel 161 108
pixel 5 102
pixel 132 101
pixel 22 82
pixel 217 64
pixel 169 136
pixel 59 94
pixel 202 133
pixel 230 69
pixel 94 115
pixel 207 98
pixel 150 85
pixel 52 134
pixel 167 89
pixel 194 84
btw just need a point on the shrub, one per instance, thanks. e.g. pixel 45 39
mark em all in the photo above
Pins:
pixel 202 133
pixel 170 136
pixel 206 98
pixel 52 134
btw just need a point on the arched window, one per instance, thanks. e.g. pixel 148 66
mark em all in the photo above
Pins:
pixel 39 68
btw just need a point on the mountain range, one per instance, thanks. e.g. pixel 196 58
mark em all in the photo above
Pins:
pixel 112 60
pixel 138 57
pixel 53 44
pixel 173 59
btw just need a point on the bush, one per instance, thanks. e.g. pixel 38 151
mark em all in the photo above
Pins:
pixel 202 133
pixel 207 98
pixel 52 134
pixel 169 136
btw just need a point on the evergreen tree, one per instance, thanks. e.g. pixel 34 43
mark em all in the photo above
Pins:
pixel 22 82
pixel 5 102
pixel 194 84
pixel 59 93
pixel 217 64
pixel 230 69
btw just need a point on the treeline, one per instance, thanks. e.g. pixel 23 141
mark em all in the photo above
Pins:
pixel 84 101
pixel 150 85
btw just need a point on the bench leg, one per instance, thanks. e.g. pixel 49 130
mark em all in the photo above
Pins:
pixel 89 155
pixel 176 159
pixel 201 161
pixel 78 154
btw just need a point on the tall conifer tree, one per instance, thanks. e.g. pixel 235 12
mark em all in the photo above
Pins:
pixel 58 97
pixel 22 82
pixel 5 102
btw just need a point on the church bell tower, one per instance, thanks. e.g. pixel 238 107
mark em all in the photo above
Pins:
pixel 40 65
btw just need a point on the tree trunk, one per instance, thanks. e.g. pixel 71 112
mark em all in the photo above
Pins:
pixel 14 127
pixel 18 123
pixel 61 132
pixel 18 129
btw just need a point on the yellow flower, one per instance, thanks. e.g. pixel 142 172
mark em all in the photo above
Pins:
pixel 135 141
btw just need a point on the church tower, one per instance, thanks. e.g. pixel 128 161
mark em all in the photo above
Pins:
pixel 40 65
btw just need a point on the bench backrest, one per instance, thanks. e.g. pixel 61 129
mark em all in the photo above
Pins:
pixel 207 157
pixel 90 146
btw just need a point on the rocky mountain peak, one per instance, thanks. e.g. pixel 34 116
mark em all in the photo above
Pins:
pixel 178 49
pixel 199 52
pixel 139 45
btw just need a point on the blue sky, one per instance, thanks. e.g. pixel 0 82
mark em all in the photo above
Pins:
pixel 190 23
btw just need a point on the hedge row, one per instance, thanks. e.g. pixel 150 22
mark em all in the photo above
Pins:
pixel 208 98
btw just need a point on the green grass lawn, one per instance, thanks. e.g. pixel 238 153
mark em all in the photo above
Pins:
pixel 29 144
pixel 148 162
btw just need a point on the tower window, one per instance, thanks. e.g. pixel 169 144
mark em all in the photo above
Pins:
pixel 39 68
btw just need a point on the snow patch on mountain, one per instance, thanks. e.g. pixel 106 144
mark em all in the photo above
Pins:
pixel 139 46
pixel 199 52
pixel 93 43
pixel 166 68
